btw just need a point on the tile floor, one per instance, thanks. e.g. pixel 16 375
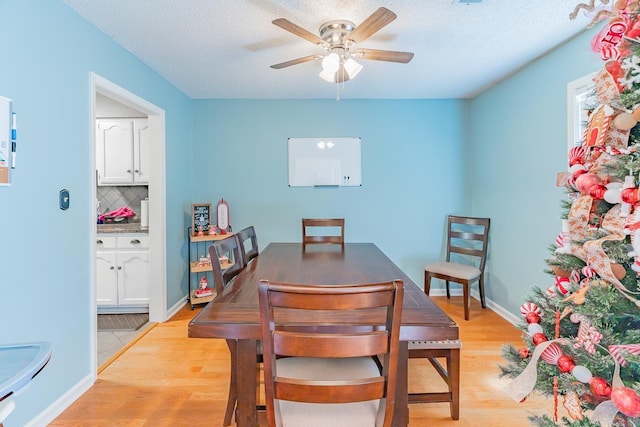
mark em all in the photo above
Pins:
pixel 109 343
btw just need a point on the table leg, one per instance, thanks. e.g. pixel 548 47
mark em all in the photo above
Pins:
pixel 401 414
pixel 454 382
pixel 246 376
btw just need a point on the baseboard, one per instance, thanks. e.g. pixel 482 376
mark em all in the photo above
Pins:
pixel 498 309
pixel 176 308
pixel 501 311
pixel 61 404
pixel 120 309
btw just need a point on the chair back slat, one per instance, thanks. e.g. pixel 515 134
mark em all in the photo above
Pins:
pixel 466 251
pixel 330 345
pixel 317 392
pixel 327 298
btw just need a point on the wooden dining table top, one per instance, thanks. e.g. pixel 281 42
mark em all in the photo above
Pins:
pixel 235 313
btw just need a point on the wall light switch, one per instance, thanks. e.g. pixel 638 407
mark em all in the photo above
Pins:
pixel 64 199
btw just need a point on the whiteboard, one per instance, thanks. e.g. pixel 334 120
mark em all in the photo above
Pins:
pixel 324 162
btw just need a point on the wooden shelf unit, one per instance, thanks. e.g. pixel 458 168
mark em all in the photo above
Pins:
pixel 202 300
pixel 195 268
pixel 199 246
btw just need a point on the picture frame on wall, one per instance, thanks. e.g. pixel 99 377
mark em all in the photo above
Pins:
pixel 200 217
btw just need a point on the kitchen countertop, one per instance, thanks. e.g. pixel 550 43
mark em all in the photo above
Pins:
pixel 133 227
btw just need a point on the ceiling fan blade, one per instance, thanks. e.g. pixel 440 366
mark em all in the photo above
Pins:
pixel 371 25
pixel 287 25
pixel 383 55
pixel 295 61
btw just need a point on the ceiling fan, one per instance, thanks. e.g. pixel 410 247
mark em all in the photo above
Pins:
pixel 339 39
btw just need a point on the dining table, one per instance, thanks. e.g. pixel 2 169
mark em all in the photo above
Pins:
pixel 235 314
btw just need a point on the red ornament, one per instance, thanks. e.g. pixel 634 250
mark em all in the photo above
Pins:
pixel 566 363
pixel 600 387
pixel 627 401
pixel 538 338
pixel 532 317
pixel 629 195
pixel 597 192
pixel 576 174
pixel 587 180
pixel 524 353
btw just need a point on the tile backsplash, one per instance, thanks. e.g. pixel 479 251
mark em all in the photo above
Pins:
pixel 115 197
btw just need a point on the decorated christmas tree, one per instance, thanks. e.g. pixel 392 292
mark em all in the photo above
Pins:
pixel 582 334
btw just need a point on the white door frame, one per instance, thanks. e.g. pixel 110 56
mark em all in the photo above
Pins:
pixel 157 201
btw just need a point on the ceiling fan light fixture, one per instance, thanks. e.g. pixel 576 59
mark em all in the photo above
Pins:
pixel 328 76
pixel 352 67
pixel 331 63
pixel 337 38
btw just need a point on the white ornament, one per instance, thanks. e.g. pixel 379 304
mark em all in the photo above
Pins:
pixel 582 374
pixel 534 328
pixel 613 193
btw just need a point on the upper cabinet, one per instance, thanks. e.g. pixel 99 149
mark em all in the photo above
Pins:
pixel 122 151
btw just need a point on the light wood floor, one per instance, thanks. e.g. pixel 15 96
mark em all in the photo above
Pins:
pixel 168 379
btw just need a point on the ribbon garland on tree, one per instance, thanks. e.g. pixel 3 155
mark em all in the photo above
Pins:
pixel 621 399
pixel 591 251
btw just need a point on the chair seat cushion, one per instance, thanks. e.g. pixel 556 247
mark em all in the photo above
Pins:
pixel 321 414
pixel 461 271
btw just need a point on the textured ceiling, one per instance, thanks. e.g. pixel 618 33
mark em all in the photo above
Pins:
pixel 224 48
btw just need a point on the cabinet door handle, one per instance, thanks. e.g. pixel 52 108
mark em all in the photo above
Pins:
pixel 128 170
pixel 137 171
pixel 119 268
pixel 112 268
pixel 99 242
pixel 135 242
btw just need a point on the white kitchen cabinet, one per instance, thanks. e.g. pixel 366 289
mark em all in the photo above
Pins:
pixel 106 277
pixel 122 272
pixel 122 151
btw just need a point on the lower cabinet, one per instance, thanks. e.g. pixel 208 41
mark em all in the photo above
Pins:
pixel 122 272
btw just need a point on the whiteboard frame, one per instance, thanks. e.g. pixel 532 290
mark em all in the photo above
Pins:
pixel 325 162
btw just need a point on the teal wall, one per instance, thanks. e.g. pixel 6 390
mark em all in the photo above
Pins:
pixel 496 155
pixel 48 51
pixel 519 144
pixel 413 173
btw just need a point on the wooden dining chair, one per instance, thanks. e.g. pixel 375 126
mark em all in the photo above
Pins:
pixel 248 244
pixel 332 229
pixel 467 241
pixel 327 375
pixel 229 247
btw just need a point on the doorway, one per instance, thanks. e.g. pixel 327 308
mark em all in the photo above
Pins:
pixel 101 87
